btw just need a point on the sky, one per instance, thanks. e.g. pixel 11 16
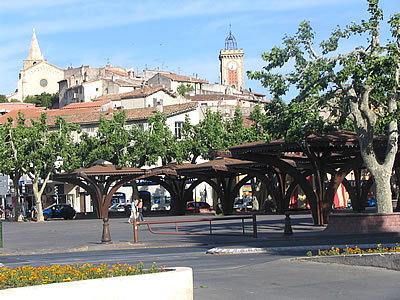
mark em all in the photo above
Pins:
pixel 179 36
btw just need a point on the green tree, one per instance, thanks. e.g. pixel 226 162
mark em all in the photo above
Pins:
pixel 293 121
pixel 3 99
pixel 43 100
pixel 12 155
pixel 236 134
pixel 161 142
pixel 363 84
pixel 256 131
pixel 209 134
pixel 47 151
pixel 190 144
pixel 182 89
pixel 111 142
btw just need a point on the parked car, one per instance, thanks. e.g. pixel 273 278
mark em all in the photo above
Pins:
pixel 191 206
pixel 127 207
pixel 59 211
pixel 117 207
pixel 370 202
pixel 242 204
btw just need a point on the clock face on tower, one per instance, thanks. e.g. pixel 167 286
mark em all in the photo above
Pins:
pixel 232 66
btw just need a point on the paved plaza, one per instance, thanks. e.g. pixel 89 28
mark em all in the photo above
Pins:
pixel 81 235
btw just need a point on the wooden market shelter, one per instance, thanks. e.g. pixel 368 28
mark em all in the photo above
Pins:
pixel 317 165
pixel 101 181
pixel 327 158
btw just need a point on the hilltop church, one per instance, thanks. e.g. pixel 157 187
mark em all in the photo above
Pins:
pixel 37 76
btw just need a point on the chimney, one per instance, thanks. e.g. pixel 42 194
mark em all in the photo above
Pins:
pixel 159 108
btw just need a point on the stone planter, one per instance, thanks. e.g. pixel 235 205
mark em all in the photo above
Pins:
pixel 173 284
pixel 381 260
pixel 363 223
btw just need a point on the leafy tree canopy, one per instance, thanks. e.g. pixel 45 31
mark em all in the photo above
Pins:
pixel 43 100
pixel 3 99
pixel 361 86
pixel 183 89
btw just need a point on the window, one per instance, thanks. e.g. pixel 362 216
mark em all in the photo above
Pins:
pixel 43 82
pixel 178 130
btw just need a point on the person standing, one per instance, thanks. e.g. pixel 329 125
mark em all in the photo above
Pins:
pixel 134 211
pixel 140 210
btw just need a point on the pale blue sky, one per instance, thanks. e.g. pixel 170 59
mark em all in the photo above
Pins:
pixel 179 36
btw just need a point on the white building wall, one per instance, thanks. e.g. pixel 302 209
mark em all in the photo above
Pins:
pixel 125 89
pixel 151 100
pixel 92 90
pixel 29 84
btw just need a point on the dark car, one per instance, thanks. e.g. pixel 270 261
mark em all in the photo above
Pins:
pixel 370 202
pixel 197 206
pixel 59 211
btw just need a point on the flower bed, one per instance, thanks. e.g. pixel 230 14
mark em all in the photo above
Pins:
pixel 27 276
pixel 113 282
pixel 356 250
pixel 381 257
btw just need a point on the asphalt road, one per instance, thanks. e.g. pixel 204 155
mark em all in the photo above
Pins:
pixel 275 275
pixel 247 276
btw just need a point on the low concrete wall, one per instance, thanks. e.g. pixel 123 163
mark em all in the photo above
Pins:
pixel 381 260
pixel 363 223
pixel 174 284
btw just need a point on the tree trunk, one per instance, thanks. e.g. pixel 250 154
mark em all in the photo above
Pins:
pixel 18 215
pixel 38 200
pixel 135 191
pixel 38 196
pixel 383 192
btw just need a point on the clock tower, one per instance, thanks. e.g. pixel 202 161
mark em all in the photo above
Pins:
pixel 231 67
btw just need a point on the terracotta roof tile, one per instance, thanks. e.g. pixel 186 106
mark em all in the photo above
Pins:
pixel 92 115
pixel 212 97
pixel 120 73
pixel 138 93
pixel 15 105
pixel 178 77
pixel 97 104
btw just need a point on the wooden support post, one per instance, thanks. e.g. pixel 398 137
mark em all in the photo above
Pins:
pixel 135 231
pixel 254 226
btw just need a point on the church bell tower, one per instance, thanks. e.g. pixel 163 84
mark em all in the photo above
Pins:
pixel 231 66
pixel 34 55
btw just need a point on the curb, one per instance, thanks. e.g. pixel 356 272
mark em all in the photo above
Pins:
pixel 101 248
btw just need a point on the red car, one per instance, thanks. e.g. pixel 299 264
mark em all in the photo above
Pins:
pixel 192 206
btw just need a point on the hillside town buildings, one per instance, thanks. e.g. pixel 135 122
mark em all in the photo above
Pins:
pixel 88 93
